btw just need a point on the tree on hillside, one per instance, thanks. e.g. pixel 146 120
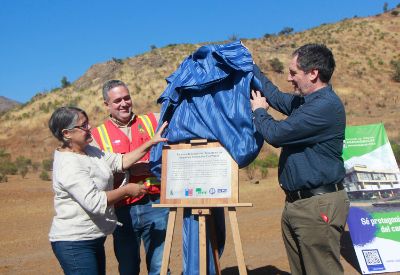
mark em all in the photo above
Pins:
pixel 64 82
pixel 117 60
pixel 268 35
pixel 385 7
pixel 286 30
pixel 233 37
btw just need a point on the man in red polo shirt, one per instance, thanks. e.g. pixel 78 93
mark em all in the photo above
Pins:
pixel 122 132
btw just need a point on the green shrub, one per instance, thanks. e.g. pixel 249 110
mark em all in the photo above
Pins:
pixel 276 65
pixel 396 67
pixel 250 170
pixel 8 168
pixel 385 7
pixel 118 60
pixel 44 176
pixel 396 151
pixel 23 171
pixel 264 172
pixel 394 13
pixel 370 63
pixel 286 30
pixel 35 166
pixel 46 107
pixel 64 82
pixel 271 160
pixel 22 161
pixel 47 164
pixel 3 178
pixel 74 101
pixel 233 37
pixel 4 154
pixel 262 165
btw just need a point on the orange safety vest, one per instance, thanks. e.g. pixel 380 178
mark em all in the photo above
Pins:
pixel 111 139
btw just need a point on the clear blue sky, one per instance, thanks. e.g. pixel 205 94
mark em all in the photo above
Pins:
pixel 43 40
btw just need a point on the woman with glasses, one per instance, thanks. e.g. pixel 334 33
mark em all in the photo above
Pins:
pixel 84 195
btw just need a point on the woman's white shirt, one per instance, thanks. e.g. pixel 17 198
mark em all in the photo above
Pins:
pixel 80 201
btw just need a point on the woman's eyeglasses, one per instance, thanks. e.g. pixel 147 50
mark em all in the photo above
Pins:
pixel 84 127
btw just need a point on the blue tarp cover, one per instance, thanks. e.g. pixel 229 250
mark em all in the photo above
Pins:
pixel 208 97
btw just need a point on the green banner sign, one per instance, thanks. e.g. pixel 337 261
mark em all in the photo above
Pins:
pixel 363 139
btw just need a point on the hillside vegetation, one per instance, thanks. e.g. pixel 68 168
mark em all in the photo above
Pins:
pixel 7 104
pixel 365 50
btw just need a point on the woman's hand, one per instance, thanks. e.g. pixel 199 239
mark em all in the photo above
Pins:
pixel 128 190
pixel 135 190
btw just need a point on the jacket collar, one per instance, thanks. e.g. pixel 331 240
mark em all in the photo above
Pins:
pixel 317 93
pixel 120 124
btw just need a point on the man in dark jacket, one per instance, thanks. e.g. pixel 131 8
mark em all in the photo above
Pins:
pixel 311 167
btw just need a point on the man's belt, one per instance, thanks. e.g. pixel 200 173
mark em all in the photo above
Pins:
pixel 292 196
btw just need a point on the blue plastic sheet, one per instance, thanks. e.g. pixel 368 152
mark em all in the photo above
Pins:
pixel 208 97
pixel 190 240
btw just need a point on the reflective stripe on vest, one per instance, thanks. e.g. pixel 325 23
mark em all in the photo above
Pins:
pixel 105 139
pixel 151 181
pixel 147 124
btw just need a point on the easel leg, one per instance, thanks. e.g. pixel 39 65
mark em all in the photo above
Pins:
pixel 168 240
pixel 202 245
pixel 214 244
pixel 237 241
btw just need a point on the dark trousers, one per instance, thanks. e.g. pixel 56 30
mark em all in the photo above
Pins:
pixel 311 230
pixel 81 257
pixel 141 222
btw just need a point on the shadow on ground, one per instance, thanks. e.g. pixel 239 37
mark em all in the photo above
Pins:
pixel 347 251
pixel 265 270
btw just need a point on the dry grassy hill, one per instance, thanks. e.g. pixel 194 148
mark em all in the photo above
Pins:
pixel 363 48
pixel 7 104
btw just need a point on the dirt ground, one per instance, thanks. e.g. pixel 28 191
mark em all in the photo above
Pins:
pixel 27 210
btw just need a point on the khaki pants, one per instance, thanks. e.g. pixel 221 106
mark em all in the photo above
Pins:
pixel 311 230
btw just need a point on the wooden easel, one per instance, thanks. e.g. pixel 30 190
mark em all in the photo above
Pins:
pixel 202 207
